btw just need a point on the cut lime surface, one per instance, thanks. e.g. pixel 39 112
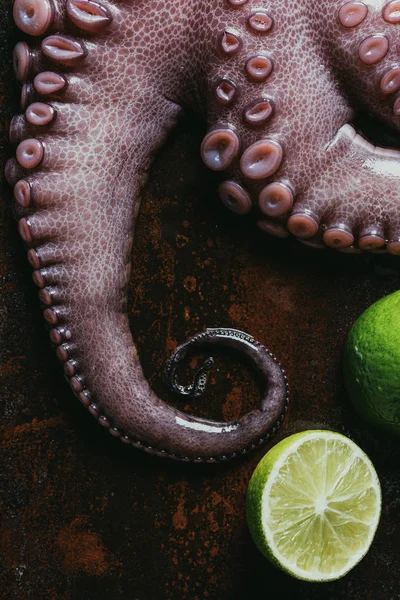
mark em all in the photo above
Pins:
pixel 372 361
pixel 313 505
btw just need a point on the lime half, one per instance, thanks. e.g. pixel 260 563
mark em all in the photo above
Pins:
pixel 313 505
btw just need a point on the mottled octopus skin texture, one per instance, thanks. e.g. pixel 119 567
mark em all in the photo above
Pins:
pixel 278 82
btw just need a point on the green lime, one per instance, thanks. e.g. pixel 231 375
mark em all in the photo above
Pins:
pixel 372 363
pixel 313 505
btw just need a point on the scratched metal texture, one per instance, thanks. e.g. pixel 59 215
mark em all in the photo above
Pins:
pixel 84 517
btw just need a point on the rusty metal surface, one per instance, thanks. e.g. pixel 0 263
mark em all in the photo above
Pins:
pixel 82 516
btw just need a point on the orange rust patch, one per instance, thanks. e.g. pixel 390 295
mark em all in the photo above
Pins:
pixel 190 283
pixel 213 523
pixel 237 312
pixel 181 240
pixel 215 498
pixel 84 551
pixel 214 550
pixel 233 404
pixel 179 518
pixel 13 366
pixel 34 427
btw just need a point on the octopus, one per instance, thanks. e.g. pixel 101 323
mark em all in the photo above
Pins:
pixel 279 83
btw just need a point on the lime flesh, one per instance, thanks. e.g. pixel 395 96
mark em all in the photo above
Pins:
pixel 313 505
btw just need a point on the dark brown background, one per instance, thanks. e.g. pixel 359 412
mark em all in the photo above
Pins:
pixel 84 517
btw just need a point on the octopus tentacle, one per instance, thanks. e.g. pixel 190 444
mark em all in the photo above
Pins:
pixel 80 164
pixel 275 393
pixel 310 175
pixel 365 37
pixel 358 169
pixel 197 388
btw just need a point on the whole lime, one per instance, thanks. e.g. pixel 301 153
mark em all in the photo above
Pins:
pixel 372 364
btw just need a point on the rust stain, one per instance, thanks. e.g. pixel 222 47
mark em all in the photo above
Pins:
pixel 34 427
pixel 12 367
pixel 84 551
pixel 171 342
pixel 233 404
pixel 214 525
pixel 190 283
pixel 214 550
pixel 281 295
pixel 179 518
pixel 181 240
pixel 237 312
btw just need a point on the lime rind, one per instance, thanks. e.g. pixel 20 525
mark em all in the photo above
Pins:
pixel 330 525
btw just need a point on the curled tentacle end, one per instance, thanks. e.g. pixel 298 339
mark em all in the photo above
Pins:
pixel 255 427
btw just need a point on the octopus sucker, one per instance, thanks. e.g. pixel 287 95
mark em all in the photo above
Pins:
pixel 33 16
pixel 88 15
pixel 104 84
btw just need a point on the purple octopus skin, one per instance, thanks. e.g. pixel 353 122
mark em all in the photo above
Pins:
pixel 278 81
